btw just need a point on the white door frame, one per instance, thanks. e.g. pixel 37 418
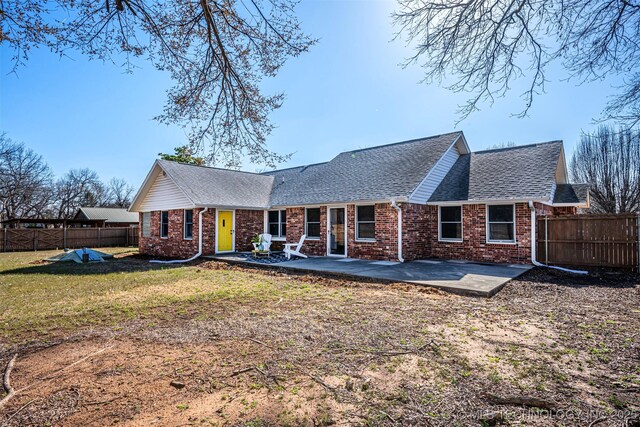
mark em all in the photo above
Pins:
pixel 346 216
pixel 233 230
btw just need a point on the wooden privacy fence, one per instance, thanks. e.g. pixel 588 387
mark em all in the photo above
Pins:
pixel 34 239
pixel 589 240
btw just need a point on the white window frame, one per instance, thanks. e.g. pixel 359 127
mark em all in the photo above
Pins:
pixel 279 236
pixel 306 223
pixel 488 236
pixel 365 239
pixel 184 225
pixel 440 222
pixel 161 236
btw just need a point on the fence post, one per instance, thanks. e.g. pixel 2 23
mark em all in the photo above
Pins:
pixel 546 239
pixel 64 237
pixel 4 247
pixel 638 237
pixel 126 243
pixel 99 245
pixel 35 240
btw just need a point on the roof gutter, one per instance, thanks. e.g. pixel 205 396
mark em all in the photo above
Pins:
pixel 180 261
pixel 398 209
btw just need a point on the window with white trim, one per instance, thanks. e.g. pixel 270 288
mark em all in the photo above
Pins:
pixel 366 222
pixel 312 223
pixel 450 223
pixel 277 223
pixel 501 224
pixel 146 224
pixel 164 224
pixel 188 223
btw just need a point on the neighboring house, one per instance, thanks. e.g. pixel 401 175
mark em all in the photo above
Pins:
pixel 423 198
pixel 109 217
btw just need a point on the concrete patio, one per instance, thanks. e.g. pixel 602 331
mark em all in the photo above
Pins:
pixel 468 278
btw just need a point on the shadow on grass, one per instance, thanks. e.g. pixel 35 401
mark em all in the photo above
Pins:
pixel 606 278
pixel 127 264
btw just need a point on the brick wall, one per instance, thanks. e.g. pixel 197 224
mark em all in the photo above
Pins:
pixel 416 233
pixel 248 224
pixel 296 228
pixel 474 234
pixel 175 245
pixel 385 246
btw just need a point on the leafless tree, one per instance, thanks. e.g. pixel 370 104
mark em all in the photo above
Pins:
pixel 25 181
pixel 120 193
pixel 609 160
pixel 79 187
pixel 486 46
pixel 216 51
pixel 500 145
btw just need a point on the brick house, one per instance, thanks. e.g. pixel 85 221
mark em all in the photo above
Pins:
pixel 424 198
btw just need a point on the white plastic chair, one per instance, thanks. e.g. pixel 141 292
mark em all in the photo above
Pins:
pixel 265 239
pixel 289 248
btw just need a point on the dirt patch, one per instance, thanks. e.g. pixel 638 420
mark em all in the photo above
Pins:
pixel 378 354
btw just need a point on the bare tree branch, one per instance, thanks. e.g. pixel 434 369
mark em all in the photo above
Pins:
pixel 216 52
pixel 483 48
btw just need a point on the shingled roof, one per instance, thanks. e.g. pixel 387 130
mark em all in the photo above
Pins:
pixel 571 194
pixel 207 186
pixel 516 173
pixel 385 172
pixel 377 173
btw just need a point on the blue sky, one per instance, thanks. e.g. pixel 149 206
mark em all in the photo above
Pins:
pixel 348 92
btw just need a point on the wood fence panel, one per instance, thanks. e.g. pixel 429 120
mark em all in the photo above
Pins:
pixel 20 239
pixel 589 240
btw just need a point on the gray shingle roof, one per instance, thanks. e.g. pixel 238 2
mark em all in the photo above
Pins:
pixel 377 173
pixel 207 186
pixel 571 193
pixel 525 172
pixel 110 214
pixel 385 172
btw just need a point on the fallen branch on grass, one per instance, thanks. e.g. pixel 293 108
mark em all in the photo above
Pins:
pixel 6 382
pixel 393 353
pixel 598 421
pixel 532 402
pixel 260 342
pixel 241 371
pixel 21 409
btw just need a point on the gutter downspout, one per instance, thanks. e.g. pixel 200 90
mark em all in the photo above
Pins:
pixel 533 246
pixel 178 261
pixel 398 209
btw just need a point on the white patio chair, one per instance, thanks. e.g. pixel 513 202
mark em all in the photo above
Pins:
pixel 290 250
pixel 265 239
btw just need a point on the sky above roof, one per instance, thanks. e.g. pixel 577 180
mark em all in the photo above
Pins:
pixel 348 92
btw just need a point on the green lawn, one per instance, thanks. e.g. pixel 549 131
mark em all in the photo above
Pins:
pixel 39 298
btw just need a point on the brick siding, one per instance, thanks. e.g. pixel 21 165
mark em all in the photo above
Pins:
pixel 296 228
pixel 175 245
pixel 248 224
pixel 419 233
pixel 474 244
pixel 416 232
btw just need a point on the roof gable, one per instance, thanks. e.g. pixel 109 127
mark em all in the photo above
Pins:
pixel 370 174
pixel 516 173
pixel 173 185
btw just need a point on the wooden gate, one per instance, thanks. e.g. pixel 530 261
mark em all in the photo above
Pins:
pixel 589 240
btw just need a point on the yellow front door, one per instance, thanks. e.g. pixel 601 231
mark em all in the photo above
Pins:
pixel 225 231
